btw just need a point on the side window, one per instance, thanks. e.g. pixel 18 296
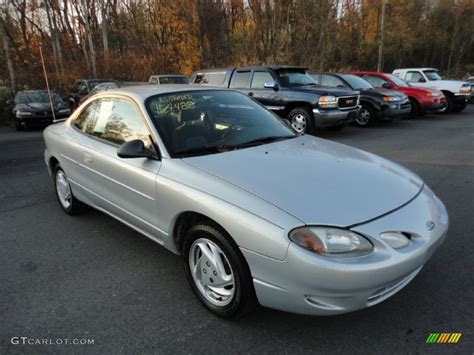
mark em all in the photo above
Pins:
pixel 413 76
pixel 240 79
pixel 316 78
pixel 118 121
pixel 260 78
pixel 86 119
pixel 376 81
pixel 154 81
pixel 210 78
pixel 332 81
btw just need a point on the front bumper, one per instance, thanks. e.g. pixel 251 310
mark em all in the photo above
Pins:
pixel 333 117
pixel 390 111
pixel 310 284
pixel 461 98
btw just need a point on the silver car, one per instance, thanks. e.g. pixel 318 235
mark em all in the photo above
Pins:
pixel 258 213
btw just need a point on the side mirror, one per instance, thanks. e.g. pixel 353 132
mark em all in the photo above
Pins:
pixel 387 85
pixel 270 84
pixel 422 80
pixel 134 149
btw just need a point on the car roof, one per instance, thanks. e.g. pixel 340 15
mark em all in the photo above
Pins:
pixel 33 91
pixel 272 67
pixel 415 69
pixel 165 75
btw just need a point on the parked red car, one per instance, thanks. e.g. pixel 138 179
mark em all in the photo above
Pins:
pixel 422 99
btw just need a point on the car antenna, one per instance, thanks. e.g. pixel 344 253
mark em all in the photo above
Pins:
pixel 47 85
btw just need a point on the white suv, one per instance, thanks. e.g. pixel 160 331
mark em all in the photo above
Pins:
pixel 457 92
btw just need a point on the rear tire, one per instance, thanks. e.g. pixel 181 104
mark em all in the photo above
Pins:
pixel 301 119
pixel 68 202
pixel 217 271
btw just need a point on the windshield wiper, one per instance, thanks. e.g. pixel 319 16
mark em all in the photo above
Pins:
pixel 262 140
pixel 225 148
pixel 203 149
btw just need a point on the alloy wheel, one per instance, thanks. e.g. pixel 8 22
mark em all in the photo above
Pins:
pixel 63 189
pixel 363 117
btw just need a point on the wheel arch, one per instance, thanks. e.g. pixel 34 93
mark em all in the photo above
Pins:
pixel 52 163
pixel 187 219
pixel 295 104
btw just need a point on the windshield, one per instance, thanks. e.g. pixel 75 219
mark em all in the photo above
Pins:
pixel 174 80
pixel 432 75
pixel 207 122
pixel 295 77
pixel 397 80
pixel 36 96
pixel 355 82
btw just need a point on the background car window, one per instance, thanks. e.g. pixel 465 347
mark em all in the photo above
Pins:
pixel 216 78
pixel 376 81
pixel 331 81
pixel 154 81
pixel 240 79
pixel 413 76
pixel 316 78
pixel 259 79
pixel 86 119
pixel 174 80
pixel 118 121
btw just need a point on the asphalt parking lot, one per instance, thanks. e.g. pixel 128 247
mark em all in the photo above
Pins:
pixel 91 277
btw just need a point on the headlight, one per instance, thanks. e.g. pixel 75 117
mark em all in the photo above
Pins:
pixel 433 94
pixel 327 102
pixel 465 90
pixel 23 114
pixel 330 241
pixel 396 240
pixel 391 98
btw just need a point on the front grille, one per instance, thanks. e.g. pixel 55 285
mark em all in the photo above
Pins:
pixel 346 102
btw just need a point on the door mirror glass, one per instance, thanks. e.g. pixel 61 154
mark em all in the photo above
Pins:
pixel 134 149
pixel 387 85
pixel 421 80
pixel 270 84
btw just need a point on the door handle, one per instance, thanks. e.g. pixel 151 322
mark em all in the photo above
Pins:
pixel 250 93
pixel 88 157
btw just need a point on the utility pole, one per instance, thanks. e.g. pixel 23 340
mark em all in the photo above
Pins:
pixel 382 25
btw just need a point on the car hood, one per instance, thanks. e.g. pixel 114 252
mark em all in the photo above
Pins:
pixel 379 92
pixel 39 106
pixel 323 90
pixel 315 180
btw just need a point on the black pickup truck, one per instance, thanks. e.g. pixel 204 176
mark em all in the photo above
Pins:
pixel 290 92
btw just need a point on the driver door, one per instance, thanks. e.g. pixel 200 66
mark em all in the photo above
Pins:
pixel 125 187
pixel 270 98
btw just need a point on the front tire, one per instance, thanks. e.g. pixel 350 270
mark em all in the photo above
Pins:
pixel 366 117
pixel 301 119
pixel 68 202
pixel 449 105
pixel 415 109
pixel 217 271
pixel 459 107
